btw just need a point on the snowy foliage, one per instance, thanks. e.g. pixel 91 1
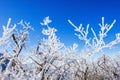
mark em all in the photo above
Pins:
pixel 51 59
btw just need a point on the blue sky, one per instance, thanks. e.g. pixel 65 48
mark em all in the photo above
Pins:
pixel 59 11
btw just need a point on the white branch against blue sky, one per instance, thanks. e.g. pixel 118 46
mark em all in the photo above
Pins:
pixel 59 39
pixel 79 11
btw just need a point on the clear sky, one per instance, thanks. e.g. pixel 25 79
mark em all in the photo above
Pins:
pixel 59 11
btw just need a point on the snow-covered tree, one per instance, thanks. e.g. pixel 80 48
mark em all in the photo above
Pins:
pixel 96 43
pixel 11 59
pixel 51 59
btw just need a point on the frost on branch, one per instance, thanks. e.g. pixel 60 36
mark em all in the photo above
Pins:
pixel 21 37
pixel 96 43
pixel 46 21
pixel 52 60
pixel 48 55
pixel 7 32
pixel 12 67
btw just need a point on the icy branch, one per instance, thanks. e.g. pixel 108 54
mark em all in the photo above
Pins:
pixel 7 32
pixel 21 39
pixel 46 21
pixel 97 43
pixel 51 60
pixel 83 33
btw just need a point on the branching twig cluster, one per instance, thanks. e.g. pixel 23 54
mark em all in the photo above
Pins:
pixel 52 60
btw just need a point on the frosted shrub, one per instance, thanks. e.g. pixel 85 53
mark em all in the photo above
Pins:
pixel 51 59
pixel 15 42
pixel 97 43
